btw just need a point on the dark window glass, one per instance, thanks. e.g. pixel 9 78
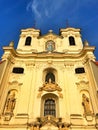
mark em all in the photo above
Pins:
pixel 49 107
pixel 79 70
pixel 51 76
pixel 71 40
pixel 28 41
pixel 18 70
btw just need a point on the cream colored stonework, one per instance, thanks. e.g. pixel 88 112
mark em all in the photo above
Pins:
pixel 23 95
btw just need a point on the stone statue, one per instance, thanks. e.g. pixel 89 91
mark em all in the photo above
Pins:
pixel 86 104
pixel 50 81
pixel 10 104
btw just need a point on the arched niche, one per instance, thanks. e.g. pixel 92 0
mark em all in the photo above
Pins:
pixel 10 102
pixel 50 73
pixel 86 102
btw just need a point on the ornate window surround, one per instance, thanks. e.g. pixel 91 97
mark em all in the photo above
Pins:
pixel 53 97
pixel 51 70
pixel 50 46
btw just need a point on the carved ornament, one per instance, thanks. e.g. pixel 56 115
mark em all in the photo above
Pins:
pixel 15 79
pixel 83 85
pixel 50 87
pixel 30 64
pixel 49 120
pixel 81 78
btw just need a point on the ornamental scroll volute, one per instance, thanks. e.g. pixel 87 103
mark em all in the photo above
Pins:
pixel 50 87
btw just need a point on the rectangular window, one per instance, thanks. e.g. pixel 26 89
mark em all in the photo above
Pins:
pixel 79 70
pixel 18 70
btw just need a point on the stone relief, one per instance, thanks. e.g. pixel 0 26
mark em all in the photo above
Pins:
pixel 50 121
pixel 14 78
pixel 83 85
pixel 81 77
pixel 50 87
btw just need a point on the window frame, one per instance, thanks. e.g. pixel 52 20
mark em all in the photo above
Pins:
pixel 18 70
pixel 79 70
pixel 49 107
pixel 72 41
pixel 28 41
pixel 53 97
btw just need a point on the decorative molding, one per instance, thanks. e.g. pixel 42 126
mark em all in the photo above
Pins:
pixel 29 64
pixel 83 85
pixel 50 87
pixel 39 94
pixel 15 83
pixel 81 77
pixel 16 79
pixel 49 61
pixel 60 94
pixel 22 35
pixel 67 64
pixel 49 120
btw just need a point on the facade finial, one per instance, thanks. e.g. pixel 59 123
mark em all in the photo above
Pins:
pixel 11 43
pixel 86 43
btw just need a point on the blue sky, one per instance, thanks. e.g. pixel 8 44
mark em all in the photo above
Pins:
pixel 48 14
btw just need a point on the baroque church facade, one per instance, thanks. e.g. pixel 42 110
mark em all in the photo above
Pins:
pixel 49 82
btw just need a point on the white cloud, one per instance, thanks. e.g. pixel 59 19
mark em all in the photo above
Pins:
pixel 47 8
pixel 33 5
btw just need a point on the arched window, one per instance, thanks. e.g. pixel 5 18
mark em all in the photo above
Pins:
pixel 49 107
pixel 79 70
pixel 18 70
pixel 71 40
pixel 51 76
pixel 28 41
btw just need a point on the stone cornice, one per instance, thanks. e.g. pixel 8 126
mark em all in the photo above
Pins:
pixel 55 55
pixel 70 29
pixel 30 29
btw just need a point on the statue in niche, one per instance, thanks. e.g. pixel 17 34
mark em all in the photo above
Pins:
pixel 10 104
pixel 86 104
